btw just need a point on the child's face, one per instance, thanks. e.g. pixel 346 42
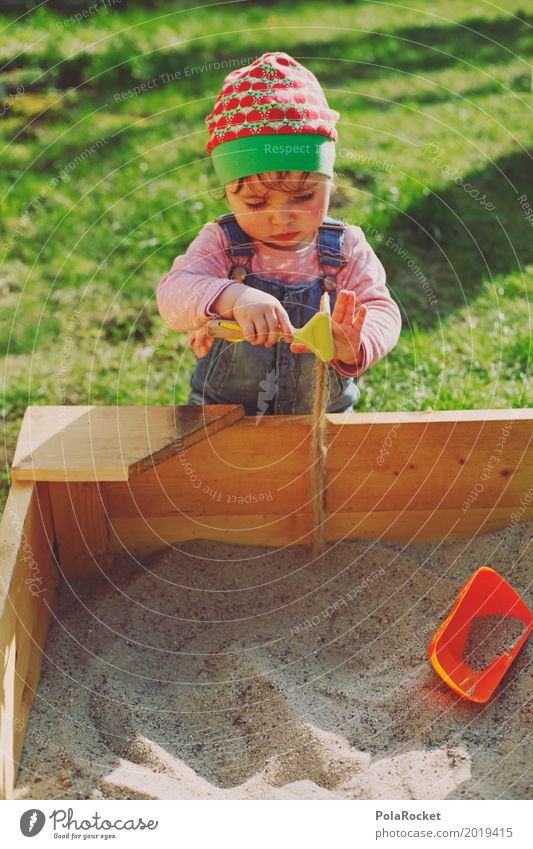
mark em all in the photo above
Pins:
pixel 285 220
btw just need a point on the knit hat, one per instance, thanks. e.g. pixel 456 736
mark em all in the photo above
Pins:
pixel 274 96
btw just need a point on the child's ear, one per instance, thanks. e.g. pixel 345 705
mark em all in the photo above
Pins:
pixel 232 186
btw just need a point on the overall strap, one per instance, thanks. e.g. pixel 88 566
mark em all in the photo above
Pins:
pixel 330 240
pixel 330 243
pixel 239 241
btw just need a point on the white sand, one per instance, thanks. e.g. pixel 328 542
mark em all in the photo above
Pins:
pixel 490 637
pixel 275 676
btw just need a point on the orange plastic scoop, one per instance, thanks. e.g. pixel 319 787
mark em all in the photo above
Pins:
pixel 489 623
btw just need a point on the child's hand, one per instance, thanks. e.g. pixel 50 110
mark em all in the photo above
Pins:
pixel 346 327
pixel 347 321
pixel 261 317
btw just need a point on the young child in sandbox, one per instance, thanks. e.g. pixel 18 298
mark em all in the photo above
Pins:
pixel 266 264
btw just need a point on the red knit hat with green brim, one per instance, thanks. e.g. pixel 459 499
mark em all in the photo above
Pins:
pixel 271 115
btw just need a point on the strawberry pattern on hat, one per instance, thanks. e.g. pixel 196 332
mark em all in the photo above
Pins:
pixel 273 95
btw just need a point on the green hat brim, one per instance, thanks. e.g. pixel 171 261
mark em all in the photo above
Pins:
pixel 273 152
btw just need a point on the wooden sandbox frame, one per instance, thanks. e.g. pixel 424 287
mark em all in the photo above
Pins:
pixel 89 482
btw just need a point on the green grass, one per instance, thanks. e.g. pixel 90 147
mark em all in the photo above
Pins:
pixel 100 193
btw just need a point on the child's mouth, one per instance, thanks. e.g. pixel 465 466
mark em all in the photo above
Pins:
pixel 285 237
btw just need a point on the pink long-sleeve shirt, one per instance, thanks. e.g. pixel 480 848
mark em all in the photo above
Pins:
pixel 186 293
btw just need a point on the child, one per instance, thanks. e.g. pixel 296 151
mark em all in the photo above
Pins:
pixel 266 264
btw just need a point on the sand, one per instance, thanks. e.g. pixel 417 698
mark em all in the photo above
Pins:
pixel 490 637
pixel 273 674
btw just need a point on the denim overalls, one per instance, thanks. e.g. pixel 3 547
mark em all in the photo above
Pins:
pixel 274 381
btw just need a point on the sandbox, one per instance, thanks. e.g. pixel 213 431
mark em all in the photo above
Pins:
pixel 90 483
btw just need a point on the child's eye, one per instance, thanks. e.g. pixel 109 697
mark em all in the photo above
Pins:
pixel 262 203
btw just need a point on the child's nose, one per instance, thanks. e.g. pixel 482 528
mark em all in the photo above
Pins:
pixel 282 214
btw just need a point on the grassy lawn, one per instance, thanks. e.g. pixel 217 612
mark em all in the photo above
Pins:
pixel 101 187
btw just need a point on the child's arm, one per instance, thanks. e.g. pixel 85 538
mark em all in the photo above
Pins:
pixel 185 295
pixel 381 325
pixel 198 288
pixel 366 322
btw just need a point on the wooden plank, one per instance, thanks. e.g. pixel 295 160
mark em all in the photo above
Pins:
pixel 432 416
pixel 89 443
pixel 113 443
pixel 82 529
pixel 419 465
pixel 241 470
pixel 446 472
pixel 142 537
pixel 427 461
pixel 247 484
pixel 193 495
pixel 28 578
pixel 422 525
pixel 391 444
pixel 192 424
pixel 423 487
